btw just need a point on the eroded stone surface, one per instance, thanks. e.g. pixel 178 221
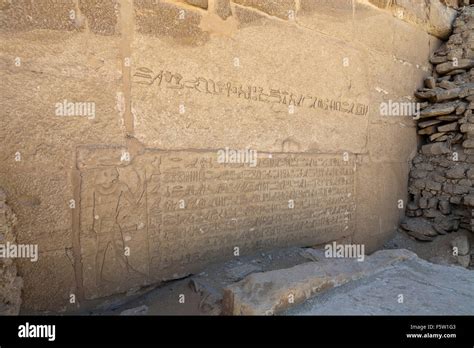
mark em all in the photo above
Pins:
pixel 164 199
pixel 10 283
pixel 175 22
pixel 25 15
pixel 279 9
pixel 101 16
pixel 271 292
pixel 427 289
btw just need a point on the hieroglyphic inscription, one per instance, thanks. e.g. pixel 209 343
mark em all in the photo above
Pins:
pixel 176 81
pixel 179 210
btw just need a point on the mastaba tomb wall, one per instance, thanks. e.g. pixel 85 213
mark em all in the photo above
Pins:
pixel 113 113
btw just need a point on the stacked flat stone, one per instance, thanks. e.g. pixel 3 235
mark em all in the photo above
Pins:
pixel 442 176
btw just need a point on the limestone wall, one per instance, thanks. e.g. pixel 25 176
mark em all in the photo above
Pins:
pixel 113 113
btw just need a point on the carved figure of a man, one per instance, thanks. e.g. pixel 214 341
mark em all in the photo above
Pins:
pixel 109 194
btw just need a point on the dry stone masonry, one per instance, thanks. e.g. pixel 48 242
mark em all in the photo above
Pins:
pixel 442 178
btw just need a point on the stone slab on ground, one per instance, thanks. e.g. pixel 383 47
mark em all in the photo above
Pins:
pixel 427 289
pixel 267 293
pixel 239 272
pixel 141 310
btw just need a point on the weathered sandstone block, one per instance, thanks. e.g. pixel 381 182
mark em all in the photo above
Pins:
pixel 175 22
pixel 271 292
pixel 26 15
pixel 10 283
pixel 278 9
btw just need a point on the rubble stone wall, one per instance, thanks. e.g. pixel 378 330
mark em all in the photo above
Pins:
pixel 441 183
